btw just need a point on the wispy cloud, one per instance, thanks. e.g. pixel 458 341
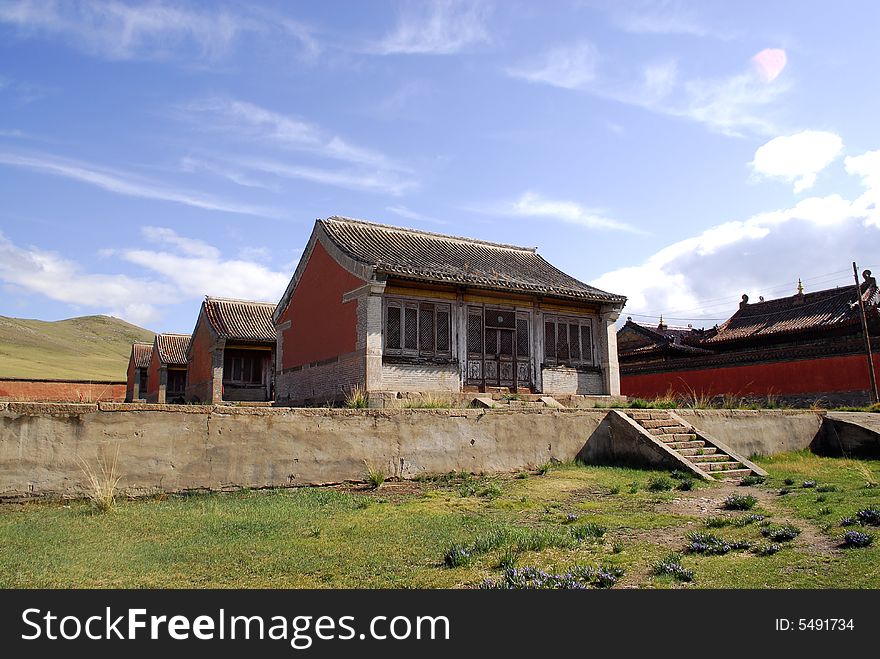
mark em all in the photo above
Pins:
pixel 409 214
pixel 569 67
pixel 125 183
pixel 664 17
pixel 797 158
pixel 46 273
pixel 439 27
pixel 736 104
pixel 364 168
pixel 196 268
pixel 157 30
pixel 532 204
pixel 190 164
pixel 351 179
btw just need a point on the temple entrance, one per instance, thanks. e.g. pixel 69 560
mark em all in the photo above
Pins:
pixel 499 349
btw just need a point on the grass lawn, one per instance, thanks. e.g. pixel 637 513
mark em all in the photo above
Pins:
pixel 403 534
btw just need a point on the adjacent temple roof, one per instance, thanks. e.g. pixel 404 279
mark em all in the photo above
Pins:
pixel 436 258
pixel 141 354
pixel 802 312
pixel 240 320
pixel 172 348
pixel 662 339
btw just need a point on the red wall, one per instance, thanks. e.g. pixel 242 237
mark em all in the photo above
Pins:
pixel 807 376
pixel 62 391
pixel 200 366
pixel 321 325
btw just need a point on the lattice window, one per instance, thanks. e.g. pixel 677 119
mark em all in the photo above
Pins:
pixel 573 343
pixel 550 342
pixel 393 328
pixel 522 337
pixel 417 328
pixel 568 341
pixel 491 341
pixel 506 348
pixel 410 329
pixel 442 330
pixel 562 353
pixel 475 333
pixel 426 329
pixel 587 343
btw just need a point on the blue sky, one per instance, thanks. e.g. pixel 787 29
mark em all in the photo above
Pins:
pixel 679 153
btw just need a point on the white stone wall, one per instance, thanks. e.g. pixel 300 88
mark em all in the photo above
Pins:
pixel 421 377
pixel 321 383
pixel 561 380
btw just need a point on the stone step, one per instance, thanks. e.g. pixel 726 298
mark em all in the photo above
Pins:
pixel 720 466
pixel 644 416
pixel 712 457
pixel 679 437
pixel 697 451
pixel 669 430
pixel 654 423
pixel 731 474
pixel 680 446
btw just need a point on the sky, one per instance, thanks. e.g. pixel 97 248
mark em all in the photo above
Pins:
pixel 680 153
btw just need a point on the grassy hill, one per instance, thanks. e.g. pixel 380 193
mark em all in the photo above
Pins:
pixel 89 347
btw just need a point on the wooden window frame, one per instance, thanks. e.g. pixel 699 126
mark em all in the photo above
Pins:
pixel 435 309
pixel 586 359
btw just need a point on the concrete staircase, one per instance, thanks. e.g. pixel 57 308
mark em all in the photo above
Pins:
pixel 691 446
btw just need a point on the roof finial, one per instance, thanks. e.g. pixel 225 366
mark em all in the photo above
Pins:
pixel 800 287
pixel 661 325
pixel 745 301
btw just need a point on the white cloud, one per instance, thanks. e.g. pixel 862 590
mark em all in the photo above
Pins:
pixel 667 17
pixel 703 277
pixel 798 158
pixel 196 269
pixel 867 167
pixel 569 67
pixel 190 165
pixel 156 30
pixel 366 169
pixel 352 179
pixel 439 27
pixel 409 214
pixel 532 204
pixel 180 269
pixel 49 274
pixel 124 183
pixel 735 105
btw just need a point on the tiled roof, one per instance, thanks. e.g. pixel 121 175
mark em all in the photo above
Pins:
pixel 665 340
pixel 831 308
pixel 241 320
pixel 141 353
pixel 432 257
pixel 172 348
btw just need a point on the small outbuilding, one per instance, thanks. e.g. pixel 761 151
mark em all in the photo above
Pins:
pixel 138 367
pixel 231 355
pixel 166 382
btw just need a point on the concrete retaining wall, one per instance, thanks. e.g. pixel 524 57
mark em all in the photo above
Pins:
pixel 758 432
pixel 180 447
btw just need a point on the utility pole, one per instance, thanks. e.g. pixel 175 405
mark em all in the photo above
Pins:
pixel 874 396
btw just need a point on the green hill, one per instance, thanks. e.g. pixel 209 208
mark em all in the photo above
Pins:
pixel 85 348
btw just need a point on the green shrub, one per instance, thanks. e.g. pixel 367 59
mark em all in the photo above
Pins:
pixel 782 533
pixel 374 476
pixel 740 502
pixel 659 484
pixel 671 566
pixel 685 485
pixel 456 556
pixel 752 479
